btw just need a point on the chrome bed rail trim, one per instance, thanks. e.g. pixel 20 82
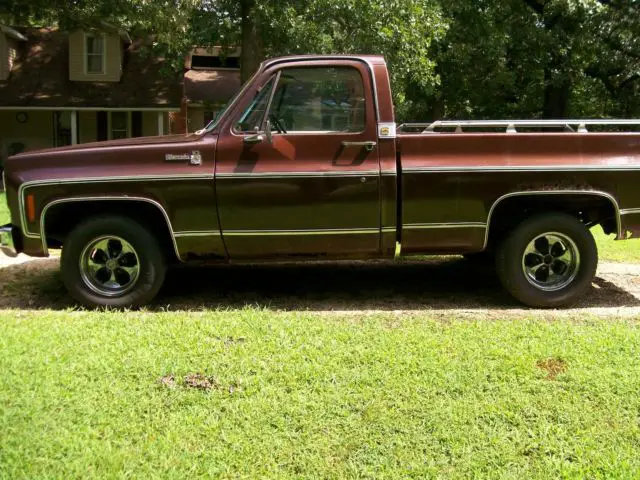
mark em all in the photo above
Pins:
pixel 511 126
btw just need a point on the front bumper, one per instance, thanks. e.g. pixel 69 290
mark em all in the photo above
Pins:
pixel 7 245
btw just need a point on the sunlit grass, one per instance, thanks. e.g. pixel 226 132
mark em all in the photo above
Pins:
pixel 611 250
pixel 302 395
pixel 5 216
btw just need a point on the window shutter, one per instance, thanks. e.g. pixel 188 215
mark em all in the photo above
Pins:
pixel 136 124
pixel 102 123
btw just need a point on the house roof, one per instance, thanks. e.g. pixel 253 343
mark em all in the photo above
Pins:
pixel 211 86
pixel 40 78
pixel 211 51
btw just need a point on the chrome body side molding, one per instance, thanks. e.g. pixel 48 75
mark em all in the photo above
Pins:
pixel 322 231
pixel 63 181
pixel 524 168
pixel 630 211
pixel 432 226
pixel 352 173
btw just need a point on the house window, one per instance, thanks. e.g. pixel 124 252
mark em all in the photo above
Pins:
pixel 119 125
pixel 94 53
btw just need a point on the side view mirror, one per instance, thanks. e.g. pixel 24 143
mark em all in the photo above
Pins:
pixel 267 131
pixel 253 139
pixel 259 137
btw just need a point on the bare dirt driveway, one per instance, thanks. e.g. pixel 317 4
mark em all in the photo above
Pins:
pixel 439 286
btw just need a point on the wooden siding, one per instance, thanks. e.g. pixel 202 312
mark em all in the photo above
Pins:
pixel 35 133
pixel 113 64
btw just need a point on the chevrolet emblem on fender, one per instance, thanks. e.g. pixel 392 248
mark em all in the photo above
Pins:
pixel 194 158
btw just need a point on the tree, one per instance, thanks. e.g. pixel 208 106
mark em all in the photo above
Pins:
pixel 447 58
pixel 538 58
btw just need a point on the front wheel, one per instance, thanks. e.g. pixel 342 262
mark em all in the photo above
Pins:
pixel 112 262
pixel 548 261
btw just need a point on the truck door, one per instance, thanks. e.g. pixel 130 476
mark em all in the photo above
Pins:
pixel 297 170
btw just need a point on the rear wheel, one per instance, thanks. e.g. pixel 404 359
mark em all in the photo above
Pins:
pixel 112 261
pixel 481 259
pixel 548 261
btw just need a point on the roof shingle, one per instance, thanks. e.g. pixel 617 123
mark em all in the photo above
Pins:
pixel 211 86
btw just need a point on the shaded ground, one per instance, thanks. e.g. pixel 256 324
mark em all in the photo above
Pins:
pixel 433 285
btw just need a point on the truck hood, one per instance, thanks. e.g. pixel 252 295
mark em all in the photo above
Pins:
pixel 125 142
pixel 126 157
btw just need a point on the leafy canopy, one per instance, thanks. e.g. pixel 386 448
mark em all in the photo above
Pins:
pixel 452 58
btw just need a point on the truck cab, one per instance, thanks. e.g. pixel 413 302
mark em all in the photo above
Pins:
pixel 306 161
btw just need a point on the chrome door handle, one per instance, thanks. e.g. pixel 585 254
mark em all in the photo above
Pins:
pixel 368 146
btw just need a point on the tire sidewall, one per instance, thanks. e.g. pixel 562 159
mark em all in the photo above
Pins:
pixel 151 261
pixel 510 254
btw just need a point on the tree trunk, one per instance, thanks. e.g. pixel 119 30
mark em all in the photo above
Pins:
pixel 556 97
pixel 252 48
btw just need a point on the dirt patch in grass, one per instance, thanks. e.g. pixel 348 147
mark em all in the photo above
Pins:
pixel 200 381
pixel 168 381
pixel 553 367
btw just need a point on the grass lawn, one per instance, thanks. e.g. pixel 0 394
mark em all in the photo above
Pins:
pixel 610 250
pixel 5 216
pixel 301 395
pixel 264 393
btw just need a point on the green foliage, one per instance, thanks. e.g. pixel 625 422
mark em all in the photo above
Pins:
pixel 539 58
pixel 401 30
pixel 448 58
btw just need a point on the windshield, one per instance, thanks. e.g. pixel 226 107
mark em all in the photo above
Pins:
pixel 214 123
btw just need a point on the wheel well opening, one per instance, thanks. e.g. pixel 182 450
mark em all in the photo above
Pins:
pixel 61 218
pixel 590 209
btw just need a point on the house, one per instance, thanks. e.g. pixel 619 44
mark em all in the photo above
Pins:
pixel 61 88
pixel 211 78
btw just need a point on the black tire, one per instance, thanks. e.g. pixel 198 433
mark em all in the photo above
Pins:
pixel 481 259
pixel 150 261
pixel 577 278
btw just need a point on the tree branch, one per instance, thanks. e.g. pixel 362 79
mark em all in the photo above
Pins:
pixel 536 5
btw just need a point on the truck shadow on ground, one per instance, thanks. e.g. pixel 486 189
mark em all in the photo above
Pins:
pixel 356 286
pixel 415 285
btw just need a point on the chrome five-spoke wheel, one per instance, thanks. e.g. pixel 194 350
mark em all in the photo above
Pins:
pixel 109 266
pixel 551 261
pixel 548 260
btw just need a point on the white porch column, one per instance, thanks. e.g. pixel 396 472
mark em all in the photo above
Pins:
pixel 74 127
pixel 160 123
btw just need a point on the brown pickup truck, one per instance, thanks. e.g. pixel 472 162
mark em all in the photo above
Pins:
pixel 307 163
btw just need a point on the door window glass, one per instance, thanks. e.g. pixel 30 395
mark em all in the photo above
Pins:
pixel 252 118
pixel 319 99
